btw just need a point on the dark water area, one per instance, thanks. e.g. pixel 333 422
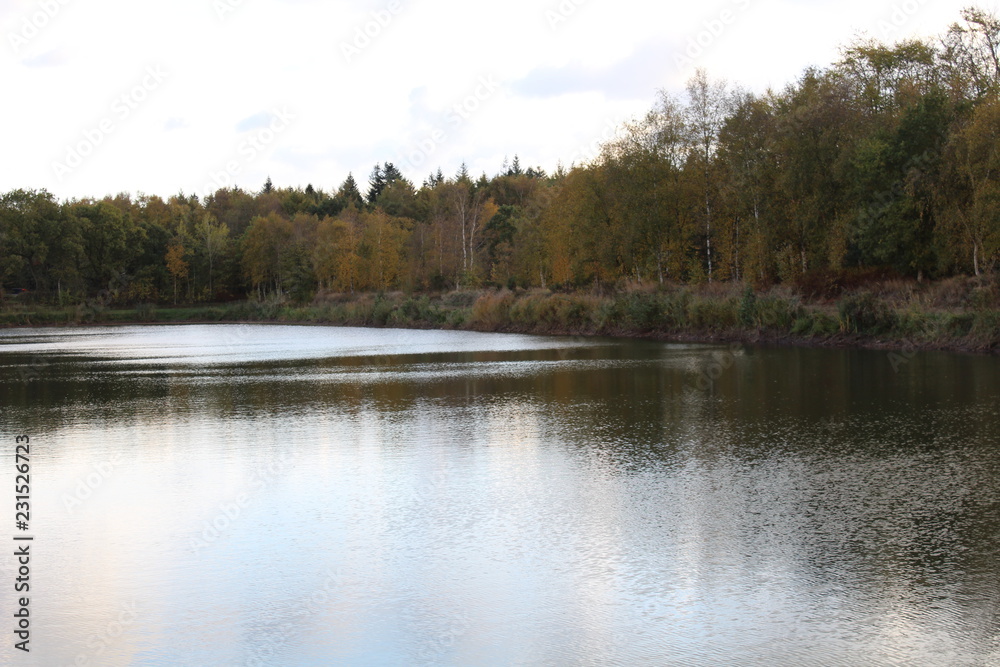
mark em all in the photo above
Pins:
pixel 279 495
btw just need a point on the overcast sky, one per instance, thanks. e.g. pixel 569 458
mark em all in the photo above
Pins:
pixel 105 96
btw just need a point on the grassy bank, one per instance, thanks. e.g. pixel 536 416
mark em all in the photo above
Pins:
pixel 962 314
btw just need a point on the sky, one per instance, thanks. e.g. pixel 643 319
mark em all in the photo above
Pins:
pixel 157 98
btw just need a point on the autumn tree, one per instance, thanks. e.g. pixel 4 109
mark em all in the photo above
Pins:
pixel 263 244
pixel 706 113
pixel 970 55
pixel 970 201
pixel 383 239
pixel 348 194
pixel 109 242
pixel 176 264
pixel 213 238
pixel 746 153
pixel 37 240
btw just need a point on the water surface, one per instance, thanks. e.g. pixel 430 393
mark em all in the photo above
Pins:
pixel 277 495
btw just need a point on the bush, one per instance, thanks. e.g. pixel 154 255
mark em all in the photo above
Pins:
pixel 986 328
pixel 748 308
pixel 775 312
pixel 577 312
pixel 492 310
pixel 815 324
pixel 146 312
pixel 460 299
pixel 457 318
pixel 803 325
pixel 864 313
pixel 381 311
pixel 674 308
pixel 638 310
pixel 959 325
pixel 713 314
pixel 824 325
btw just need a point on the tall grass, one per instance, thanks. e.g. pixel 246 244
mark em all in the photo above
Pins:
pixel 904 314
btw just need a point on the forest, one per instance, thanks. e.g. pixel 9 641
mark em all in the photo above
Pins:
pixel 886 163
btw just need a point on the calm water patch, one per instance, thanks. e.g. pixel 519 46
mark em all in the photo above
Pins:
pixel 278 495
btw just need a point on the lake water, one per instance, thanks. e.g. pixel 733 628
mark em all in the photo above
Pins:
pixel 278 495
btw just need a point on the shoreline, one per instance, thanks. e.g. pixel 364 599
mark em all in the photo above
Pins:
pixel 757 337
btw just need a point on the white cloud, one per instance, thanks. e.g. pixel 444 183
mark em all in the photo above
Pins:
pixel 560 85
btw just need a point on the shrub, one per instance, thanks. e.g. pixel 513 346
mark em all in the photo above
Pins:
pixel 381 311
pixel 674 307
pixel 748 308
pixel 986 327
pixel 863 312
pixel 460 299
pixel 959 325
pixel 824 325
pixel 492 310
pixel 457 318
pixel 713 314
pixel 146 312
pixel 803 325
pixel 775 312
pixel 578 312
pixel 639 310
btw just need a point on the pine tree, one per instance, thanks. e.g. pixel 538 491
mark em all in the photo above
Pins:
pixel 515 168
pixel 391 174
pixel 348 193
pixel 376 183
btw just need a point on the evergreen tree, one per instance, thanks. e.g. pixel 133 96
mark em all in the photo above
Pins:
pixel 349 195
pixel 515 168
pixel 376 183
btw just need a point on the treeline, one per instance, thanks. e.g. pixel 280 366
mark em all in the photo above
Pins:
pixel 888 160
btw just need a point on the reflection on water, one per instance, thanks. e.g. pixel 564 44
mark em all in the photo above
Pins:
pixel 270 495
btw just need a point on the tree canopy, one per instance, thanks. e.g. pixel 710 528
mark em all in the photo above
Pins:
pixel 887 159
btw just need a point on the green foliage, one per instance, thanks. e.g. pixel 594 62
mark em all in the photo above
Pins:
pixel 884 162
pixel 777 313
pixel 639 310
pixel 713 314
pixel 865 313
pixel 748 308
pixel 986 328
pixel 491 311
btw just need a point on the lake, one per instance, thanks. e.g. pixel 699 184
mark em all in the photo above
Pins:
pixel 282 495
